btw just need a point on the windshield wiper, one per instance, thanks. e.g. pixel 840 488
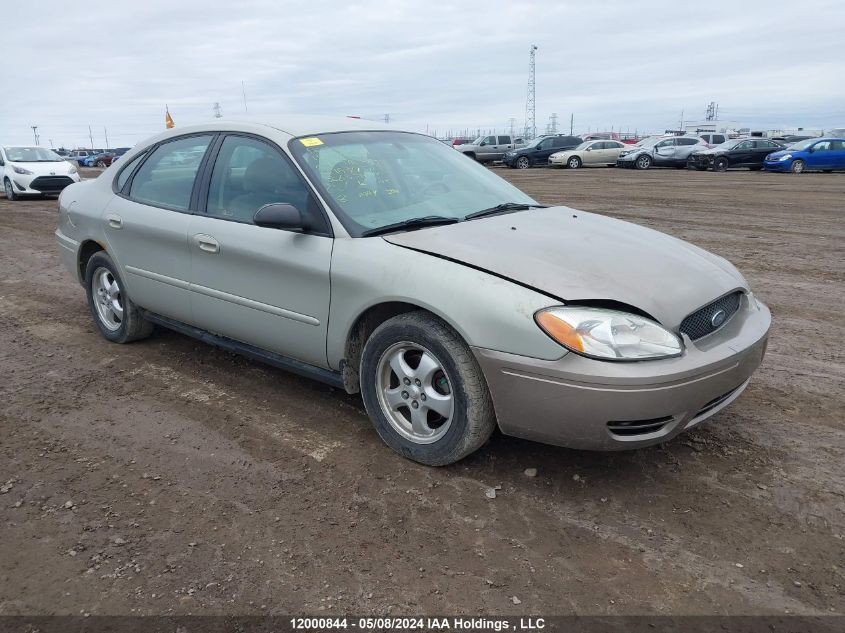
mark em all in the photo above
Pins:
pixel 413 223
pixel 505 206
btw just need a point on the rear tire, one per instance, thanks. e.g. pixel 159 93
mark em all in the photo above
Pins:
pixel 116 315
pixel 798 166
pixel 721 164
pixel 10 190
pixel 449 413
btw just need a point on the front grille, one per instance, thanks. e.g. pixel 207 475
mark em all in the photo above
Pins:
pixel 50 183
pixel 701 322
pixel 629 428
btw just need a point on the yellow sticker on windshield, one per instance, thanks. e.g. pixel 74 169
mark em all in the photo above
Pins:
pixel 311 141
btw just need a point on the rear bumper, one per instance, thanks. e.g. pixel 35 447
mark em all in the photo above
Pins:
pixel 587 404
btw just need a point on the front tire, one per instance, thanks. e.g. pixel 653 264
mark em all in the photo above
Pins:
pixel 721 164
pixel 574 163
pixel 117 317
pixel 643 162
pixel 798 166
pixel 10 190
pixel 424 391
pixel 100 163
pixel 523 162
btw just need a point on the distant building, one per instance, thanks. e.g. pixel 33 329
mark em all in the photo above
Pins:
pixel 696 127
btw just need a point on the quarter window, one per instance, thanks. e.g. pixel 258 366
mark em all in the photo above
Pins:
pixel 249 174
pixel 167 177
pixel 124 174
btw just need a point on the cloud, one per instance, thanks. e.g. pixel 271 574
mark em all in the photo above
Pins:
pixel 443 66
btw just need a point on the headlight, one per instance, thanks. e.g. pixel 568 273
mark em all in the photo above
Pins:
pixel 608 334
pixel 21 170
pixel 785 157
pixel 73 169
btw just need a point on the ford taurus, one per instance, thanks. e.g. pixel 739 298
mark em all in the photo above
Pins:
pixel 385 263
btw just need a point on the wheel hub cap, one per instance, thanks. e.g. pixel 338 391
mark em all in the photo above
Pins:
pixel 107 299
pixel 415 393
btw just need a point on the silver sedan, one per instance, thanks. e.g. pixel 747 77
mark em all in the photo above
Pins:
pixel 383 262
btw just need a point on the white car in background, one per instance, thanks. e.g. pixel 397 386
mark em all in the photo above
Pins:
pixel 34 171
pixel 588 154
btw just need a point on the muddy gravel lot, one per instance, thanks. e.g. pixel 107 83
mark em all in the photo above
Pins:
pixel 169 477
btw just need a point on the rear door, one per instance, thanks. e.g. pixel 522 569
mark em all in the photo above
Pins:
pixel 505 143
pixel 838 155
pixel 262 286
pixel 146 224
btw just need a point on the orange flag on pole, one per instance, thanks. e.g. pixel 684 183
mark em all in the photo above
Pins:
pixel 168 120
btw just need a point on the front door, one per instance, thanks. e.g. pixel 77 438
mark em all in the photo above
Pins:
pixel 146 225
pixel 664 152
pixel 821 156
pixel 262 286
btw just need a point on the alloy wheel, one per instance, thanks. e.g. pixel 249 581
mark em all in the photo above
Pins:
pixel 107 298
pixel 415 392
pixel 523 163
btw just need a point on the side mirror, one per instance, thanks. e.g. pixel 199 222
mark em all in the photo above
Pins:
pixel 482 143
pixel 280 215
pixel 589 149
pixel 811 149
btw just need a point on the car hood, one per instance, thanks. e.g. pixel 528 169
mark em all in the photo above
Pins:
pixel 781 152
pixel 577 256
pixel 57 168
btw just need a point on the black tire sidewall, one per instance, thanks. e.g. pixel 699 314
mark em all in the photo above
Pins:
pixel 794 163
pixel 721 164
pixel 451 446
pixel 102 260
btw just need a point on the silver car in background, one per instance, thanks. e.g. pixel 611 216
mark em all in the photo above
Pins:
pixel 384 262
pixel 661 151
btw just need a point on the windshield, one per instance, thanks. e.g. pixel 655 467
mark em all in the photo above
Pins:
pixel 584 145
pixel 729 144
pixel 31 155
pixel 374 179
pixel 803 144
pixel 650 141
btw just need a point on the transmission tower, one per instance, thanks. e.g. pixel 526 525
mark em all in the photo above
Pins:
pixel 530 102
pixel 552 127
pixel 712 112
pixel 218 111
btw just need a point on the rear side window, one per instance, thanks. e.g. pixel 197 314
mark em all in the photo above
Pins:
pixel 687 141
pixel 718 139
pixel 167 177
pixel 504 140
pixel 124 174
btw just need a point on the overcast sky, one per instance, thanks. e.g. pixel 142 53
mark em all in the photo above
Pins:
pixel 432 65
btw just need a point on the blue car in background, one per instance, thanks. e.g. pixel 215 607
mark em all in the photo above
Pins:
pixel 814 154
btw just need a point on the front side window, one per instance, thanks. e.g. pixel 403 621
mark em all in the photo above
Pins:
pixel 824 146
pixel 745 145
pixel 490 140
pixel 373 179
pixel 167 177
pixel 250 174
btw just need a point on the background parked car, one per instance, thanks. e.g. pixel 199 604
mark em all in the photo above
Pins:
pixel 98 160
pixel 538 151
pixel 588 154
pixel 34 171
pixel 740 152
pixel 460 141
pixel 486 149
pixel 791 138
pixel 79 155
pixel 661 151
pixel 816 154
pixel 713 138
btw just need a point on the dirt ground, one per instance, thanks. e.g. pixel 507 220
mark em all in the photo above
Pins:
pixel 170 477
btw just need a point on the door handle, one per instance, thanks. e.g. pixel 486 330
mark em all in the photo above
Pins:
pixel 206 243
pixel 115 221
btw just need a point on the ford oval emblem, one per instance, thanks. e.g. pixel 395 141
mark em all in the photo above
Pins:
pixel 718 318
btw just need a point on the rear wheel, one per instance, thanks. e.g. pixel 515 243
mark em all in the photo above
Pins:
pixel 574 163
pixel 100 163
pixel 721 164
pixel 798 166
pixel 643 162
pixel 117 317
pixel 424 390
pixel 523 162
pixel 10 191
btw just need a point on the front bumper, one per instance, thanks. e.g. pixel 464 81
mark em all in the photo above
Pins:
pixel 703 161
pixel 30 184
pixel 627 160
pixel 588 404
pixel 777 165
